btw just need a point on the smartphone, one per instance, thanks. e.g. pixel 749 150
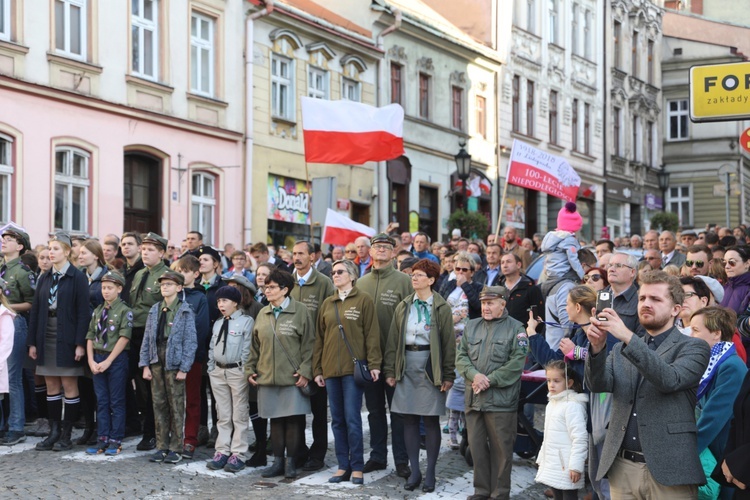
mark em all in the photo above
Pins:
pixel 603 301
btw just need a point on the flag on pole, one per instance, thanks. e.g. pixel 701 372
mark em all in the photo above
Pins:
pixel 538 170
pixel 351 132
pixel 340 229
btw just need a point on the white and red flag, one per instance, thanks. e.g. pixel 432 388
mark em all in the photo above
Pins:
pixel 340 229
pixel 538 170
pixel 350 132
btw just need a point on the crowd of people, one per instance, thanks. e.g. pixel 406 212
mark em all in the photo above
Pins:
pixel 136 336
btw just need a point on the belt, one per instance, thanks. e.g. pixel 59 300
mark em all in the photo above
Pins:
pixel 101 352
pixel 633 456
pixel 228 365
pixel 417 347
pixel 52 313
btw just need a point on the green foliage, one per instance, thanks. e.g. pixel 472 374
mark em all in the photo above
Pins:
pixel 471 224
pixel 665 221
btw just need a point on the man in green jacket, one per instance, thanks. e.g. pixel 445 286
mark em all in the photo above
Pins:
pixel 490 357
pixel 312 289
pixel 387 287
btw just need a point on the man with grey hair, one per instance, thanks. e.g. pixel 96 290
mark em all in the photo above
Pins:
pixel 653 257
pixel 669 255
pixel 651 240
pixel 363 259
pixel 636 242
pixel 337 253
pixel 621 273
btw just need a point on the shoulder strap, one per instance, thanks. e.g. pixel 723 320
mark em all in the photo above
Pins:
pixel 273 329
pixel 343 334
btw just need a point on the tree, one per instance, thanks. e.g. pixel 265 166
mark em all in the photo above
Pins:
pixel 471 224
pixel 665 221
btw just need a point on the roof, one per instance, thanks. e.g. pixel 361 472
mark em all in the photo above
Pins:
pixel 700 29
pixel 316 10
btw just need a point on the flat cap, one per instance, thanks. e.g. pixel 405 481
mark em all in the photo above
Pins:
pixel 173 276
pixel 114 277
pixel 242 281
pixel 688 232
pixel 493 292
pixel 62 237
pixel 155 239
pixel 208 250
pixel 382 238
pixel 408 263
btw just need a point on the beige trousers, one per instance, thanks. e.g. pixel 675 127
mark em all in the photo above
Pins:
pixel 231 390
pixel 630 480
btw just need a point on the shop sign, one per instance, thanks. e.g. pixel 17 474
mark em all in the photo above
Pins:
pixel 620 192
pixel 653 202
pixel 720 92
pixel 288 200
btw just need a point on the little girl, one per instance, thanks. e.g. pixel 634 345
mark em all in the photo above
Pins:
pixel 562 456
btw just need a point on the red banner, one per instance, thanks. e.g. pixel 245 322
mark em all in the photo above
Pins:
pixel 534 169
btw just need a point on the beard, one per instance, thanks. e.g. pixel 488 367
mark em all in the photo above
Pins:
pixel 654 321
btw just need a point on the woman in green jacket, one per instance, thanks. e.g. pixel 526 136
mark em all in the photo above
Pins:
pixel 347 317
pixel 420 362
pixel 280 363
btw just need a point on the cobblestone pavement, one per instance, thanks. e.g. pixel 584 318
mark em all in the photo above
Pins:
pixel 26 473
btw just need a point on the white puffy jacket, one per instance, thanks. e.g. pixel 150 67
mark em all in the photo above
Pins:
pixel 565 444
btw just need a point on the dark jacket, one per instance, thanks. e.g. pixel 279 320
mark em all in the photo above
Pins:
pixel 73 316
pixel 737 451
pixel 95 289
pixel 524 295
pixel 471 290
pixel 210 293
pixel 737 293
pixel 129 273
pixel 196 299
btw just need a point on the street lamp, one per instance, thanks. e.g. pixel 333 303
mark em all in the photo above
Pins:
pixel 663 177
pixel 463 166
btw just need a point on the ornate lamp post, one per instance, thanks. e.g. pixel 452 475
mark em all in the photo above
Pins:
pixel 463 166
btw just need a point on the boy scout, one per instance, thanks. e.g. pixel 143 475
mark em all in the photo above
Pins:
pixel 144 293
pixel 106 345
pixel 20 293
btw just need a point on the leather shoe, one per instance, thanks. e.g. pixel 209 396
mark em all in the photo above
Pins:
pixel 340 478
pixel 146 444
pixel 413 486
pixel 428 489
pixel 358 480
pixel 403 470
pixel 313 464
pixel 372 465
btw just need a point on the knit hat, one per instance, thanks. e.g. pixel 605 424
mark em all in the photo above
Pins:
pixel 568 219
pixel 229 292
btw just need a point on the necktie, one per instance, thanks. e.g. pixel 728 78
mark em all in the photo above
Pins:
pixel 664 260
pixel 162 325
pixel 225 332
pixel 2 270
pixel 101 328
pixel 142 284
pixel 277 311
pixel 301 281
pixel 53 288
pixel 423 311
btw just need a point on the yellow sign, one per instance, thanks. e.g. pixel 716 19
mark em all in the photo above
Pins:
pixel 720 92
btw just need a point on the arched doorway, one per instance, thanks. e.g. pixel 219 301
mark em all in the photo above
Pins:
pixel 142 193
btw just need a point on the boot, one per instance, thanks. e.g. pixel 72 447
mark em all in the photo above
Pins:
pixel 54 436
pixel 257 460
pixel 277 469
pixel 87 435
pixel 64 443
pixel 290 470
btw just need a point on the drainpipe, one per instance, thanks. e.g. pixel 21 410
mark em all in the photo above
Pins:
pixel 247 233
pixel 381 181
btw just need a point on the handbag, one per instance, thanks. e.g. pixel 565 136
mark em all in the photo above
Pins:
pixel 311 388
pixel 362 375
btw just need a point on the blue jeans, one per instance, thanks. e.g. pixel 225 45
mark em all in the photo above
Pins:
pixel 110 396
pixel 375 398
pixel 17 417
pixel 345 403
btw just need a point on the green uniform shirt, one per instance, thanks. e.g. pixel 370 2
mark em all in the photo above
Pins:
pixel 315 290
pixel 150 295
pixel 119 323
pixel 21 282
pixel 171 312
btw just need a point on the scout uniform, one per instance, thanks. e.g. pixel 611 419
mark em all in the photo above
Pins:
pixel 108 324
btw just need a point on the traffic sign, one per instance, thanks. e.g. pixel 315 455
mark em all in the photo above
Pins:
pixel 720 92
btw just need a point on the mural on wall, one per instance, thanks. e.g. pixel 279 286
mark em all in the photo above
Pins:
pixel 288 200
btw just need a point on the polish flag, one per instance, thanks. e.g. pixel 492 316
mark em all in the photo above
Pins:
pixel 538 170
pixel 350 132
pixel 340 229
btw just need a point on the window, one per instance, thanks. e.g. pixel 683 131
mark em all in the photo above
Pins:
pixel 616 42
pixel 71 189
pixel 530 16
pixel 587 34
pixel 203 206
pixel 396 82
pixel 587 128
pixel 317 83
pixel 202 54
pixel 677 114
pixel 516 103
pixel 529 108
pixel 650 144
pixel 553 22
pixel 616 131
pixel 282 90
pixel 424 96
pixel 636 143
pixel 350 90
pixel 574 30
pixel 574 125
pixel 680 202
pixel 553 117
pixel 70 28
pixel 651 61
pixel 6 174
pixel 481 109
pixel 145 38
pixel 634 59
pixel 4 20
pixel 457 114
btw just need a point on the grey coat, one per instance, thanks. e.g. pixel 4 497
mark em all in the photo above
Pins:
pixel 666 381
pixel 181 343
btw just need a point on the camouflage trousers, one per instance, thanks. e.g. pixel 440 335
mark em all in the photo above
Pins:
pixel 168 395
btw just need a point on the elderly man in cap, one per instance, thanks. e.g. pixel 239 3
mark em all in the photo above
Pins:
pixel 19 291
pixel 490 357
pixel 688 237
pixel 144 293
pixel 387 287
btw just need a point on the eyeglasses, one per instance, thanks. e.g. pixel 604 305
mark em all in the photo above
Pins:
pixel 617 265
pixel 592 277
pixel 418 275
pixel 382 247
pixel 730 262
pixel 462 269
pixel 690 294
pixel 339 271
pixel 698 263
pixel 272 287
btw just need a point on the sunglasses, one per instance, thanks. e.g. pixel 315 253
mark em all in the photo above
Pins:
pixel 592 277
pixel 462 269
pixel 730 262
pixel 350 251
pixel 338 271
pixel 698 263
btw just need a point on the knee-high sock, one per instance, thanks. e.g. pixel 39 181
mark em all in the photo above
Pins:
pixel 55 406
pixel 72 409
pixel 40 392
